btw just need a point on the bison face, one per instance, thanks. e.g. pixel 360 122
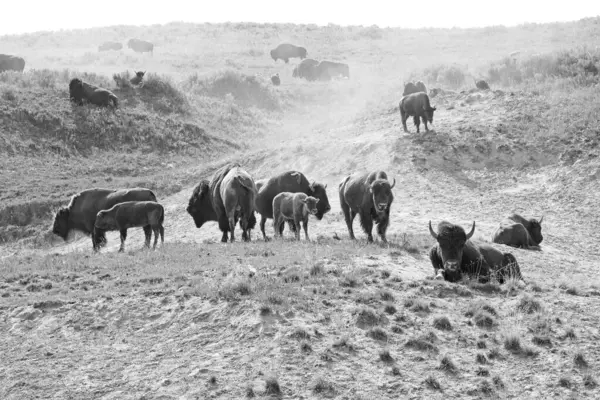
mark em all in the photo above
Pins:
pixel 76 91
pixel 104 221
pixel 311 205
pixel 451 241
pixel 429 114
pixel 535 230
pixel 200 205
pixel 61 223
pixel 274 55
pixel 381 190
pixel 319 191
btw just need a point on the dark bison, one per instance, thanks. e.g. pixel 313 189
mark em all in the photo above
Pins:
pixel 326 70
pixel 482 85
pixel 369 195
pixel 285 51
pixel 131 214
pixel 275 79
pixel 110 46
pixel 295 207
pixel 454 255
pixel 421 87
pixel 520 232
pixel 306 69
pixel 416 105
pixel 410 88
pixel 228 197
pixel 11 63
pixel 79 91
pixel 290 181
pixel 140 46
pixel 138 78
pixel 81 212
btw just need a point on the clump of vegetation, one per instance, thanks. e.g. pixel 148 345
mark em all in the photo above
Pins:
pixel 494 354
pixel 367 317
pixel 344 342
pixel 512 343
pixel 565 381
pixel 305 347
pixel 300 334
pixel 589 381
pixel 498 382
pixel 541 340
pixel 451 76
pixel 529 305
pixel 390 309
pixel 212 380
pixel 569 334
pixel 480 358
pixel 422 343
pixel 272 386
pixel 317 269
pixel 481 344
pixel 323 387
pixel 386 295
pixel 484 319
pixel 446 364
pixel 580 361
pixel 481 371
pixel 264 310
pixel 377 333
pixel 432 383
pixel 385 356
pixel 416 305
pixel 442 323
pixel 480 305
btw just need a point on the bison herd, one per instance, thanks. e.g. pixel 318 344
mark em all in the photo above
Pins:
pixel 232 196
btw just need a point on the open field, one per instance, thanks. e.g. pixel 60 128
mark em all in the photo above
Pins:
pixel 198 319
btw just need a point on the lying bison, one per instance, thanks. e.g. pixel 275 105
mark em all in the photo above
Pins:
pixel 131 214
pixel 416 105
pixel 285 51
pixel 11 63
pixel 482 85
pixel 140 46
pixel 138 78
pixel 520 232
pixel 290 181
pixel 295 207
pixel 454 255
pixel 81 212
pixel 110 46
pixel 327 70
pixel 80 91
pixel 369 195
pixel 228 197
pixel 306 69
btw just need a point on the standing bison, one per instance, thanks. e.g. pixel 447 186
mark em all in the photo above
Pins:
pixel 138 78
pixel 369 195
pixel 228 197
pixel 520 232
pixel 79 91
pixel 294 207
pixel 11 63
pixel 140 46
pixel 306 69
pixel 326 70
pixel 416 105
pixel 454 255
pixel 285 51
pixel 80 214
pixel 290 181
pixel 410 88
pixel 275 80
pixel 110 46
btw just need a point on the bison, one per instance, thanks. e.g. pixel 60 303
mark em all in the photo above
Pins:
pixel 79 91
pixel 482 85
pixel 520 232
pixel 294 207
pixel 81 212
pixel 138 78
pixel 421 87
pixel 11 63
pixel 228 197
pixel 289 181
pixel 416 105
pixel 369 195
pixel 326 70
pixel 140 46
pixel 110 46
pixel 410 88
pixel 131 214
pixel 306 69
pixel 454 255
pixel 285 51
pixel 275 79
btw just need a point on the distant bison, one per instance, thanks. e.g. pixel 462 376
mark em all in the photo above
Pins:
pixel 410 88
pixel 290 181
pixel 416 105
pixel 285 51
pixel 295 207
pixel 138 78
pixel 275 80
pixel 369 195
pixel 11 63
pixel 454 255
pixel 140 46
pixel 421 87
pixel 80 214
pixel 482 85
pixel 80 91
pixel 326 70
pixel 306 69
pixel 131 214
pixel 228 197
pixel 520 232
pixel 110 46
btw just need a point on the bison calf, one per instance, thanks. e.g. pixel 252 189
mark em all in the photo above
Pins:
pixel 131 214
pixel 416 105
pixel 288 206
pixel 520 232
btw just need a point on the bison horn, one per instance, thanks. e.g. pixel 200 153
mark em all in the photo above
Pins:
pixel 540 221
pixel 435 235
pixel 472 231
pixel 325 187
pixel 393 184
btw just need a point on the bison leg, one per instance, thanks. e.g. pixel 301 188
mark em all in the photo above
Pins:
pixel 156 230
pixel 417 122
pixel 404 117
pixel 292 226
pixel 232 227
pixel 148 234
pixel 162 234
pixel 263 221
pixel 123 237
pixel 425 123
pixel 305 226
pixel 298 227
pixel 348 216
pixel 276 226
pixel 382 228
pixel 438 266
pixel 367 224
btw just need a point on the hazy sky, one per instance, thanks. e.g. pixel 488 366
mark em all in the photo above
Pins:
pixel 19 16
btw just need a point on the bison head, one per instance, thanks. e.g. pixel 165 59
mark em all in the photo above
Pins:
pixel 273 55
pixel 76 90
pixel 311 204
pixel 381 190
pixel 429 113
pixel 104 221
pixel 409 88
pixel 61 223
pixel 535 230
pixel 451 241
pixel 200 205
pixel 319 191
pixel 302 52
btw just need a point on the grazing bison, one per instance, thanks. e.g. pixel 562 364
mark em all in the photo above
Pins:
pixel 520 232
pixel 421 87
pixel 81 212
pixel 295 207
pixel 369 195
pixel 138 78
pixel 482 85
pixel 306 69
pixel 131 214
pixel 454 255
pixel 290 181
pixel 79 91
pixel 110 46
pixel 228 197
pixel 410 88
pixel 416 105
pixel 140 46
pixel 326 70
pixel 275 79
pixel 11 63
pixel 285 51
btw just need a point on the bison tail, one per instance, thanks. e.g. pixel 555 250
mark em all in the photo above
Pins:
pixel 115 100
